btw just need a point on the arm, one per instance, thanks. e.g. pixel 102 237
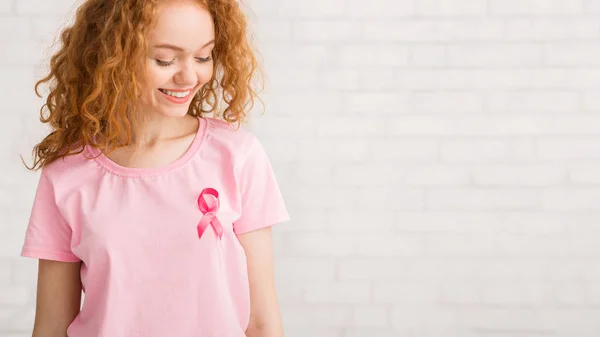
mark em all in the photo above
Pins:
pixel 58 297
pixel 265 320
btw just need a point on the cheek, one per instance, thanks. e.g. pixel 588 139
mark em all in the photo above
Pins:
pixel 205 74
pixel 157 77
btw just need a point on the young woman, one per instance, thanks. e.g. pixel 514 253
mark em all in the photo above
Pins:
pixel 152 200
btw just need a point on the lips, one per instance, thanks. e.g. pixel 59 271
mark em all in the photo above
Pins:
pixel 176 96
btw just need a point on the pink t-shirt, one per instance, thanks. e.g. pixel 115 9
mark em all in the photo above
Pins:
pixel 159 247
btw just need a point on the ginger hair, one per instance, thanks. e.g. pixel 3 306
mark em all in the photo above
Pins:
pixel 96 76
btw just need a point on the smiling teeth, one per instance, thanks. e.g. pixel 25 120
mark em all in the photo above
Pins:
pixel 176 94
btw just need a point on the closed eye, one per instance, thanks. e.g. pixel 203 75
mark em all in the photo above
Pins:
pixel 168 63
pixel 164 63
pixel 203 59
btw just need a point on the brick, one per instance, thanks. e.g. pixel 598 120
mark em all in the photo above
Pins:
pixel 535 7
pixel 22 54
pixel 377 56
pixel 462 293
pixel 47 30
pixel 290 104
pixel 590 101
pixel 430 175
pixel 457 244
pixel 317 315
pixel 370 316
pixel 514 294
pixel 585 173
pixel 519 175
pixel 311 174
pixel 535 222
pixel 550 28
pixel 473 78
pixel 428 56
pixel 269 31
pixel 369 331
pixel 419 221
pixel 373 103
pixel 376 79
pixel 594 292
pixel 461 199
pixel 22 80
pixel 299 56
pixel 504 318
pixel 338 292
pixel 295 269
pixel 454 8
pixel 15 295
pixel 570 199
pixel 6 272
pixel 260 10
pixel 571 54
pixel 6 6
pixel 388 269
pixel 529 269
pixel 446 102
pixel 373 198
pixel 571 293
pixel 582 245
pixel 315 220
pixel 418 292
pixel 568 148
pixel 565 320
pixel 41 7
pixel 358 221
pixel 475 150
pixel 311 8
pixel 15 29
pixel 313 331
pixel 531 101
pixel 356 175
pixel 380 9
pixel 326 31
pixel 340 150
pixel 319 245
pixel 386 244
pixel 332 198
pixel 410 315
pixel 340 79
pixel 493 55
pixel 524 149
pixel 494 125
pixel 405 30
pixel 393 150
pixel 283 77
pixel 289 293
pixel 278 126
pixel 351 126
pixel 592 6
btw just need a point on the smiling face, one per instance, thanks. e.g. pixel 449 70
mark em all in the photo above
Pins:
pixel 179 59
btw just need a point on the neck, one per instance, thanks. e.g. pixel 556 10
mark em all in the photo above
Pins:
pixel 155 128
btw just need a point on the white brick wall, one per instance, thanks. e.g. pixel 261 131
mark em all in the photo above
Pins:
pixel 439 158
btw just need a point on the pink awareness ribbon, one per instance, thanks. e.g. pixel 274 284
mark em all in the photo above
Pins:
pixel 208 202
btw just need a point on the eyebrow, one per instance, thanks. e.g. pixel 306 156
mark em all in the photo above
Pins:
pixel 176 48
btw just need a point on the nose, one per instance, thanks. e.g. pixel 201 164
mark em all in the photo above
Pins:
pixel 186 76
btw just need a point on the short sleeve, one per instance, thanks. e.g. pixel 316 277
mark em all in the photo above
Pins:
pixel 262 203
pixel 48 236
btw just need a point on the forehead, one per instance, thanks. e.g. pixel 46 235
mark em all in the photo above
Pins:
pixel 182 23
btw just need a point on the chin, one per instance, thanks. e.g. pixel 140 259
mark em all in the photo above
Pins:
pixel 174 112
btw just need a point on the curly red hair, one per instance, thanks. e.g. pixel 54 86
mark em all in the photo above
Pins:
pixel 97 74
